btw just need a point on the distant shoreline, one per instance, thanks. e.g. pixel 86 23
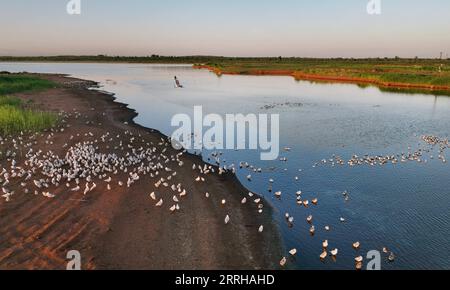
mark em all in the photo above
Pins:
pixel 406 75
pixel 334 79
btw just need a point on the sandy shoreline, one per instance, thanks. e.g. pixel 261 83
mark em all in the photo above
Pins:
pixel 121 228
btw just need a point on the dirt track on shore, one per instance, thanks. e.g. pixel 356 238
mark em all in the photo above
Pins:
pixel 121 228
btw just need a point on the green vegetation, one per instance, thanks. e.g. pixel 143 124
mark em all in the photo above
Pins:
pixel 412 71
pixel 15 83
pixel 428 72
pixel 424 73
pixel 16 116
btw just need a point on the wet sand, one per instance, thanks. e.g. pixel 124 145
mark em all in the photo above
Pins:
pixel 121 228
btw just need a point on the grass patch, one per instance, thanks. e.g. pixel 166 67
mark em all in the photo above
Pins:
pixel 12 83
pixel 432 72
pixel 16 119
pixel 15 116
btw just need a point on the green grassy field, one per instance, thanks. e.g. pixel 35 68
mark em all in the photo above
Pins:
pixel 14 83
pixel 16 116
pixel 433 72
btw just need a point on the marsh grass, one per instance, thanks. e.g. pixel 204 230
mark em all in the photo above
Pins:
pixel 435 72
pixel 13 83
pixel 16 119
pixel 16 116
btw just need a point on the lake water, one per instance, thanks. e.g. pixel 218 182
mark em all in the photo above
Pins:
pixel 404 206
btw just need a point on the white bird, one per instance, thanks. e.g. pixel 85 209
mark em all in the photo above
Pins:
pixel 77 188
pixel 261 229
pixel 48 194
pixel 37 184
pixel 160 203
pixel 227 219
pixel 86 189
pixel 283 262
pixel 244 200
pixel 153 196
pixel 334 252
pixel 293 252
pixel 323 255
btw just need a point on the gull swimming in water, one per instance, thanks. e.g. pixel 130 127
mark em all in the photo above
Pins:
pixel 323 255
pixel 312 230
pixel 334 252
pixel 391 257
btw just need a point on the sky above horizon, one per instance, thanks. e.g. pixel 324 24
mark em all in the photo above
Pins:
pixel 314 28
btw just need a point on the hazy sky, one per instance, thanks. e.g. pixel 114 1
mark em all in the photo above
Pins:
pixel 316 28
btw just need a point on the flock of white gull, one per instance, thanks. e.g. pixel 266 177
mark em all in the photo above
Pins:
pixel 84 169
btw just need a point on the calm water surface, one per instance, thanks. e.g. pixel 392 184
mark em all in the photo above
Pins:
pixel 405 207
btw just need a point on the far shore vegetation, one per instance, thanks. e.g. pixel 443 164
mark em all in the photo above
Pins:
pixel 405 73
pixel 17 116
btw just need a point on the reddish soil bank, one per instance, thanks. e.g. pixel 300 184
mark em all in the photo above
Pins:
pixel 322 78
